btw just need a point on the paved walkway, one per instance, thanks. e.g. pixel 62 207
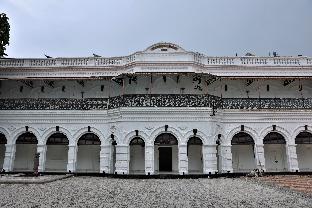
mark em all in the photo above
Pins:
pixel 293 182
pixel 109 192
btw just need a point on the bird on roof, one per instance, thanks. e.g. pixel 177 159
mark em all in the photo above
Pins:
pixel 249 54
pixel 95 55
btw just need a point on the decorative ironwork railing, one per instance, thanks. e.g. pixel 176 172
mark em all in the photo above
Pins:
pixel 267 103
pixel 154 100
pixel 158 100
pixel 54 104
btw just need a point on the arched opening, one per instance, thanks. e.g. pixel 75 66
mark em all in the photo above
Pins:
pixel 26 148
pixel 166 153
pixel 3 142
pixel 57 153
pixel 195 155
pixel 304 151
pixel 137 156
pixel 275 152
pixel 88 155
pixel 243 155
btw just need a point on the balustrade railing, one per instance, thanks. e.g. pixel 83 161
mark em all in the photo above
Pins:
pixel 155 100
pixel 157 57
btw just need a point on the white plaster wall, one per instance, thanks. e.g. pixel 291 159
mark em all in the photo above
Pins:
pixel 195 159
pixel 92 88
pixel 24 157
pixel 304 155
pixel 272 153
pixel 88 158
pixel 56 158
pixel 243 158
pixel 175 161
pixel 237 88
pixel 2 152
pixel 137 159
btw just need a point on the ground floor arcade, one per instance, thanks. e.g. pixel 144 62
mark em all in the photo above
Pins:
pixel 165 153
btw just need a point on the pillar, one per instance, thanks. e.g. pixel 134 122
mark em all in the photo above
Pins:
pixel 292 160
pixel 105 158
pixel 149 159
pixel 42 149
pixel 210 162
pixel 9 157
pixel 183 159
pixel 72 158
pixel 122 159
pixel 259 156
pixel 226 158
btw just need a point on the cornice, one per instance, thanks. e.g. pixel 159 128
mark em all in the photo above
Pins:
pixel 189 64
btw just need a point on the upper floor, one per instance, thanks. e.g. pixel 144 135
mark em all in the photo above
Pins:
pixel 158 58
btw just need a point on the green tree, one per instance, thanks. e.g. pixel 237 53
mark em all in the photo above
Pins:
pixel 4 33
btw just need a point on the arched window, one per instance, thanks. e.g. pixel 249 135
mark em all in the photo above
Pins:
pixel 137 141
pixel 194 141
pixel 242 138
pixel 89 139
pixel 166 139
pixel 27 138
pixel 274 138
pixel 57 139
pixel 304 138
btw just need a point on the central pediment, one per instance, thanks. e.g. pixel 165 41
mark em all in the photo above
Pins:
pixel 164 47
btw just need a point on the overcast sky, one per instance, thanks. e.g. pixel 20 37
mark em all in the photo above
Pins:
pixel 120 27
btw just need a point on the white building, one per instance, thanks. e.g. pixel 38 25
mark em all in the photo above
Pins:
pixel 163 109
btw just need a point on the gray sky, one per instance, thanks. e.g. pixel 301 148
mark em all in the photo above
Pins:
pixel 120 27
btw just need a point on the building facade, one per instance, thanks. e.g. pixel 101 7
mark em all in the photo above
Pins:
pixel 161 110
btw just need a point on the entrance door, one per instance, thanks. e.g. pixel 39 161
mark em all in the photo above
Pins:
pixel 165 159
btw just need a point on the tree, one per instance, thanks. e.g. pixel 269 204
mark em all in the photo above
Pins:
pixel 4 33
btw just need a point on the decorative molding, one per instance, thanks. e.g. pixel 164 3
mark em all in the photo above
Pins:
pixel 12 128
pixel 149 128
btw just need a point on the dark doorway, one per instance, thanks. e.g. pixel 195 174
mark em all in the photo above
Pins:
pixel 165 159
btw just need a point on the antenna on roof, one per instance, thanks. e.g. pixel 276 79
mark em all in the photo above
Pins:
pixel 95 55
pixel 48 56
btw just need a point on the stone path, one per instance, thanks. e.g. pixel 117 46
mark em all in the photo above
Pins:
pixel 109 192
pixel 23 179
pixel 293 182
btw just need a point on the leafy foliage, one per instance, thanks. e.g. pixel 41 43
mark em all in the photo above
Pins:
pixel 4 33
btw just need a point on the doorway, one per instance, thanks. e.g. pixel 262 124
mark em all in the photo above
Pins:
pixel 165 159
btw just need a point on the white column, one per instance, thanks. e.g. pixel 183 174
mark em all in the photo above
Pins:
pixel 42 149
pixel 210 160
pixel 226 158
pixel 122 159
pixel 292 160
pixel 149 159
pixel 105 158
pixel 113 159
pixel 259 156
pixel 72 158
pixel 183 159
pixel 9 157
